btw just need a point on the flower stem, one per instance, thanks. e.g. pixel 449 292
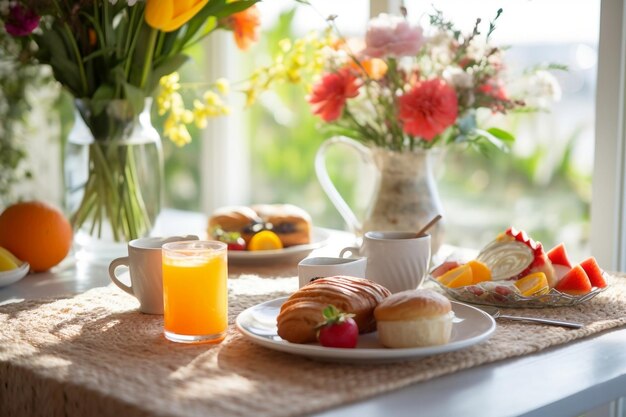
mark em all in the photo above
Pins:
pixel 149 55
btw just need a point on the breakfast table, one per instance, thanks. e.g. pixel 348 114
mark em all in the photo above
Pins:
pixel 71 343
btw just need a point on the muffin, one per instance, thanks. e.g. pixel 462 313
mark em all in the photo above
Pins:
pixel 414 318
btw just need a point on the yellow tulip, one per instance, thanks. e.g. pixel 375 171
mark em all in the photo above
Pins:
pixel 169 15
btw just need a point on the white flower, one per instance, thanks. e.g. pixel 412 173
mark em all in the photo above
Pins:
pixel 539 89
pixel 458 78
pixel 476 49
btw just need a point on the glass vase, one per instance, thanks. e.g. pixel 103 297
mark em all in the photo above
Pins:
pixel 405 196
pixel 114 175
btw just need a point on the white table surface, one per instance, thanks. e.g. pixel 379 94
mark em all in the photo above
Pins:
pixel 561 381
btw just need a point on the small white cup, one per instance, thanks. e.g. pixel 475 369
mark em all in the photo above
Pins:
pixel 395 260
pixel 311 268
pixel 146 274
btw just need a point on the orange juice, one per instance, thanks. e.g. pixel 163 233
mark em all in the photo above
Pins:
pixel 195 293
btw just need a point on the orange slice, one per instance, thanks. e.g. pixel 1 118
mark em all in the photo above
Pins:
pixel 533 284
pixel 457 277
pixel 265 240
pixel 480 271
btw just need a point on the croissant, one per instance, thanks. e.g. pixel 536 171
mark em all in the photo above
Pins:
pixel 302 312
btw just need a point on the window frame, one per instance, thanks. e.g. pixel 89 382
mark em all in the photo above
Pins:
pixel 608 219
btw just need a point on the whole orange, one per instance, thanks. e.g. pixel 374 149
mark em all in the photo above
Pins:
pixel 37 233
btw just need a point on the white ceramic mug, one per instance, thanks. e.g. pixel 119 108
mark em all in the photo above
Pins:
pixel 396 260
pixel 146 274
pixel 311 268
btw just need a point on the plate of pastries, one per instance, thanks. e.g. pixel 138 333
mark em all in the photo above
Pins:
pixel 266 233
pixel 514 270
pixel 387 327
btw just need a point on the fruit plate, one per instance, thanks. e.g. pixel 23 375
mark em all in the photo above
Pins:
pixel 504 296
pixel 292 254
pixel 14 275
pixel 258 324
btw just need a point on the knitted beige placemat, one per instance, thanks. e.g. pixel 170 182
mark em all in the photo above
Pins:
pixel 94 354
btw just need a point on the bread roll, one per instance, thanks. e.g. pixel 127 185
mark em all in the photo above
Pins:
pixel 291 223
pixel 414 318
pixel 302 312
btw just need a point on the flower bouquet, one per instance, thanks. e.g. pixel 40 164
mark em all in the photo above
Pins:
pixel 111 55
pixel 402 89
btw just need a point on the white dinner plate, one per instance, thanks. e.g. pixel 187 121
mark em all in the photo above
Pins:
pixel 292 254
pixel 14 275
pixel 258 324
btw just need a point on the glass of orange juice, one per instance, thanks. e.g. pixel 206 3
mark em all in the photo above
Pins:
pixel 195 293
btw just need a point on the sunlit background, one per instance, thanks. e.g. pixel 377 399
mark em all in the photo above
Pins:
pixel 543 185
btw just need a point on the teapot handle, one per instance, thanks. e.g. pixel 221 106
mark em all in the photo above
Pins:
pixel 327 185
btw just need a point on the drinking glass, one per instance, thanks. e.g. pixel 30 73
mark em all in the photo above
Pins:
pixel 195 293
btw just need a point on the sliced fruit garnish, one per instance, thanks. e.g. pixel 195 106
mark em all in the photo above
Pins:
pixel 8 261
pixel 265 240
pixel 533 284
pixel 594 273
pixel 560 271
pixel 506 259
pixel 558 256
pixel 575 282
pixel 443 268
pixel 457 277
pixel 480 271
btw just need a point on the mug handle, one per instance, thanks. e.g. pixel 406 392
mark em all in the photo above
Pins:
pixel 352 249
pixel 327 185
pixel 123 261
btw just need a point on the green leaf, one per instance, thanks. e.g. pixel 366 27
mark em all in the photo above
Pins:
pixel 135 96
pixel 234 7
pixel 103 95
pixel 490 138
pixel 503 135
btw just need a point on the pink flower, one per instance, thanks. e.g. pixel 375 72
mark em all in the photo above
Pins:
pixel 331 92
pixel 428 109
pixel 392 36
pixel 21 21
pixel 494 88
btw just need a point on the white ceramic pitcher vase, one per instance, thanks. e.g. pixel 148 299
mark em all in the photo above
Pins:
pixel 405 194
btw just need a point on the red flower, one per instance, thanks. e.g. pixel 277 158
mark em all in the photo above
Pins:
pixel 21 21
pixel 330 94
pixel 245 26
pixel 428 109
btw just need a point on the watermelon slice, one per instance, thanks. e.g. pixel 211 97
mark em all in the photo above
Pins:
pixel 593 271
pixel 560 271
pixel 558 255
pixel 575 282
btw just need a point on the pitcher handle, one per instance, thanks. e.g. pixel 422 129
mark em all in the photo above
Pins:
pixel 327 185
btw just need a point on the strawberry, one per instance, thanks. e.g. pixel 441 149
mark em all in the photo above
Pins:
pixel 575 282
pixel 238 244
pixel 558 256
pixel 338 329
pixel 593 271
